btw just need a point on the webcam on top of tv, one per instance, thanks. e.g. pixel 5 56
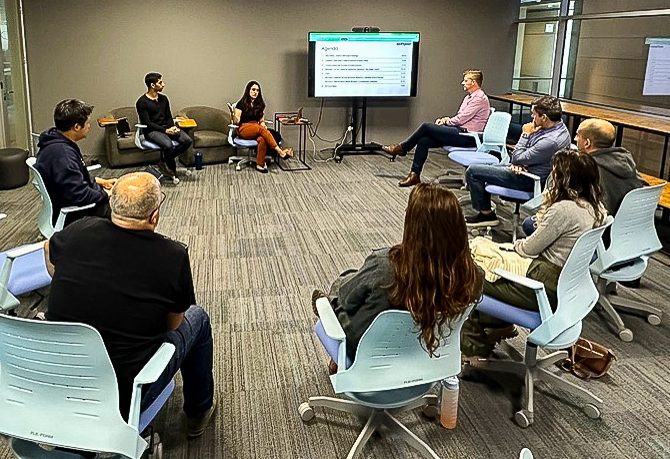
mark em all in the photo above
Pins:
pixel 365 29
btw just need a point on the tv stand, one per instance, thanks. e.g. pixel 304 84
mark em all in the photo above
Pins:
pixel 356 148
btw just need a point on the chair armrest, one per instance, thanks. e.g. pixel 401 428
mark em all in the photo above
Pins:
pixel 475 135
pixel 537 187
pixel 93 167
pixel 148 374
pixel 141 126
pixel 156 364
pixel 68 209
pixel 533 205
pixel 522 280
pixel 538 287
pixel 329 320
pixel 24 250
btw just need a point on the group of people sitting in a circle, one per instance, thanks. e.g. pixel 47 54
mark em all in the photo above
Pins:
pixel 141 282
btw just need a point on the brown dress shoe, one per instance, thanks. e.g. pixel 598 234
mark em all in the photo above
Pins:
pixel 411 180
pixel 394 150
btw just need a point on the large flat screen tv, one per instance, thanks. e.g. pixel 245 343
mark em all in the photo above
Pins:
pixel 348 64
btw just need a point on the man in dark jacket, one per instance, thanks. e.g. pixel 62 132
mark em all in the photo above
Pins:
pixel 62 167
pixel 618 174
pixel 616 166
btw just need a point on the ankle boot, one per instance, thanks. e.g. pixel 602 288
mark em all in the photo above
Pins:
pixel 411 180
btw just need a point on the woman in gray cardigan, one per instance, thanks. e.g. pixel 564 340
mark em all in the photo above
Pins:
pixel 572 206
pixel 431 273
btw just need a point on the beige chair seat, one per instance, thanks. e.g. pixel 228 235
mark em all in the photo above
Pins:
pixel 126 143
pixel 210 136
pixel 207 138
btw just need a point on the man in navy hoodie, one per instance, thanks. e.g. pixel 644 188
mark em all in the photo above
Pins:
pixel 62 167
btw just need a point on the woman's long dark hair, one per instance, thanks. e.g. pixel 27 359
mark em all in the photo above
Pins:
pixel 575 176
pixel 245 103
pixel 435 276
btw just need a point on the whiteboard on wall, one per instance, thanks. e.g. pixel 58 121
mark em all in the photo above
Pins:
pixel 657 76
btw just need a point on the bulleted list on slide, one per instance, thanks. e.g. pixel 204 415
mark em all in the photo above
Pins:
pixel 358 69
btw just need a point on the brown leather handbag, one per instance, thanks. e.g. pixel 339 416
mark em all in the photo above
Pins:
pixel 588 359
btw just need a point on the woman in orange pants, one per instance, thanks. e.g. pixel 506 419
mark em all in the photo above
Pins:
pixel 248 115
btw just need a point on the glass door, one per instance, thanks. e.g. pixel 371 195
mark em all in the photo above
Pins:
pixel 14 130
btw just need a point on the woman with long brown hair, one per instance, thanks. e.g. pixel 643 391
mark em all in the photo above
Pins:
pixel 249 115
pixel 572 205
pixel 431 273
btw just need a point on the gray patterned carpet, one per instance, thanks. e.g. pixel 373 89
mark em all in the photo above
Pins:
pixel 260 243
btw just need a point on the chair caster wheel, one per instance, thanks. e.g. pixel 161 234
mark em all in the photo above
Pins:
pixel 430 411
pixel 591 411
pixel 306 412
pixel 238 168
pixel 188 172
pixel 626 335
pixel 654 319
pixel 175 181
pixel 522 419
pixel 338 159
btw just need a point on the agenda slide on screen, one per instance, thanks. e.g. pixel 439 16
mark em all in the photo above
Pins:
pixel 657 75
pixel 364 68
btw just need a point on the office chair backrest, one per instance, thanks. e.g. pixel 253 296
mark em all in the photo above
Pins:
pixel 577 294
pixel 44 218
pixel 391 355
pixel 633 233
pixel 495 135
pixel 58 387
pixel 232 127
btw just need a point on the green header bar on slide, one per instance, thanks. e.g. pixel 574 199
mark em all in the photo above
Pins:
pixel 365 36
pixel 657 41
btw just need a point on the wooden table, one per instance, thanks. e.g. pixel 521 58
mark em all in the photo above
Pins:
pixel 654 124
pixel 665 196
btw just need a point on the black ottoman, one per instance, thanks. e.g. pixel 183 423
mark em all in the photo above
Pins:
pixel 13 168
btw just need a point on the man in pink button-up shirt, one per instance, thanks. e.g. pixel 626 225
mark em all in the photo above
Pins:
pixel 471 116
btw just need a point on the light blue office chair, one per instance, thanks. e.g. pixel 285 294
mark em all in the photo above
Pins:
pixel 44 222
pixel 632 239
pixel 23 270
pixel 142 143
pixel 577 295
pixel 58 390
pixel 392 373
pixel 493 139
pixel 517 197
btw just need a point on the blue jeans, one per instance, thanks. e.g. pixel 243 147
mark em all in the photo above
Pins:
pixel 430 135
pixel 478 176
pixel 168 151
pixel 193 356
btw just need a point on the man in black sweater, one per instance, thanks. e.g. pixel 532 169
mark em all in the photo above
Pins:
pixel 153 110
pixel 61 165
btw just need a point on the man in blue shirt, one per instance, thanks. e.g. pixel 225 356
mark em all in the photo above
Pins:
pixel 540 139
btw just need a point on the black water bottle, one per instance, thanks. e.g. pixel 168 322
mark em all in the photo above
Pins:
pixel 198 160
